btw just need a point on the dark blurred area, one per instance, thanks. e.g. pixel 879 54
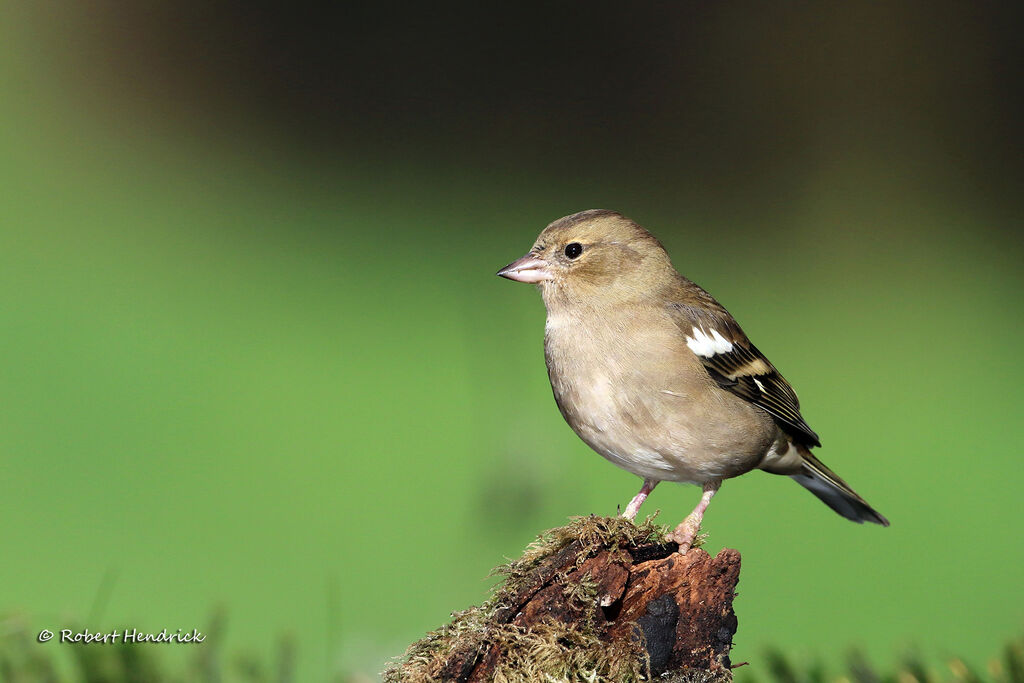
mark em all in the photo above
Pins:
pixel 722 96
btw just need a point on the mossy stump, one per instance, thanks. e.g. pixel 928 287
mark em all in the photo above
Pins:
pixel 600 599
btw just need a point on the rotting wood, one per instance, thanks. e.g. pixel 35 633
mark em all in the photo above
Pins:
pixel 599 599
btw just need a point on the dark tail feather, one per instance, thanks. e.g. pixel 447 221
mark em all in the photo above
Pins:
pixel 834 492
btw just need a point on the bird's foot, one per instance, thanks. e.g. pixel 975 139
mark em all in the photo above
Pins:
pixel 638 500
pixel 634 506
pixel 685 534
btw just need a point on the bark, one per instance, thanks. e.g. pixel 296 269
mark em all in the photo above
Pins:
pixel 672 613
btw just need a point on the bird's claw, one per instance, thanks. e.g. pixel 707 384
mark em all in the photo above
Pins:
pixel 685 534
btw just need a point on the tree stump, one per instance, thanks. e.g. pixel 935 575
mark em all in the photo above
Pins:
pixel 600 600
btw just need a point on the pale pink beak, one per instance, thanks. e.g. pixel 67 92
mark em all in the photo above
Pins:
pixel 530 268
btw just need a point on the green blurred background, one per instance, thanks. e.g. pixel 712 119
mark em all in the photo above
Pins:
pixel 254 356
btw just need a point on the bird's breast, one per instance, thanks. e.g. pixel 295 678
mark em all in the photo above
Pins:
pixel 586 368
pixel 598 377
pixel 641 399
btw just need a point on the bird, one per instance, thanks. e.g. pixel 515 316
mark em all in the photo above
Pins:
pixel 654 374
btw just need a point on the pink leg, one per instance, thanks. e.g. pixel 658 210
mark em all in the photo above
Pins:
pixel 688 528
pixel 638 499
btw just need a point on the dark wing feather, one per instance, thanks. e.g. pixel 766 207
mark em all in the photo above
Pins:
pixel 760 383
pixel 738 367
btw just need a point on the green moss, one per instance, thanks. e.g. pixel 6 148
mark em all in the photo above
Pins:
pixel 551 650
pixel 582 592
pixel 593 533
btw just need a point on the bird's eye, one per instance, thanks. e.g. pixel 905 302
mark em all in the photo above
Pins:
pixel 573 250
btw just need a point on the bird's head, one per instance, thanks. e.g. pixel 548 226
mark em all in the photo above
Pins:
pixel 594 256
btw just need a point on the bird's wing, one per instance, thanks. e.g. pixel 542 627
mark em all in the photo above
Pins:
pixel 737 366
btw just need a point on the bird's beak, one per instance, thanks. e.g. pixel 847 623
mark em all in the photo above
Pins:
pixel 531 268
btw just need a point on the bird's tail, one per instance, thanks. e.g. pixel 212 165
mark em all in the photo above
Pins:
pixel 834 492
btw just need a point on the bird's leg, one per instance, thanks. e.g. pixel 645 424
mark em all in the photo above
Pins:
pixel 688 528
pixel 638 499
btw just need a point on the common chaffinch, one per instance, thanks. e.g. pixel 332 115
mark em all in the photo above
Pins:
pixel 655 375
